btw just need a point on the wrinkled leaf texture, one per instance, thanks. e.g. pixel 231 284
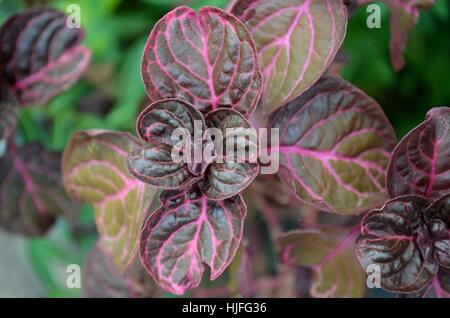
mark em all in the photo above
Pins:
pixel 188 232
pixel 296 42
pixel 208 59
pixel 335 144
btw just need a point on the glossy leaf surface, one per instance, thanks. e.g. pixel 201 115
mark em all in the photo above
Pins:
pixel 420 164
pixel 233 174
pixel 208 59
pixel 335 144
pixel 390 240
pixel 188 232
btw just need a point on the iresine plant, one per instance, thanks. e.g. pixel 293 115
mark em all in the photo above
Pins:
pixel 39 58
pixel 259 64
pixel 211 70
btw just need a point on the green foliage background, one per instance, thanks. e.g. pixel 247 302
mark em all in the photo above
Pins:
pixel 116 31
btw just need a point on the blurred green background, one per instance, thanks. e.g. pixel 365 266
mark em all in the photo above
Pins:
pixel 111 93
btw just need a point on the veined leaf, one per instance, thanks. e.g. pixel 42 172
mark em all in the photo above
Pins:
pixel 153 164
pixel 437 216
pixel 156 125
pixel 439 287
pixel 296 42
pixel 207 59
pixel 158 121
pixel 231 176
pixel 389 240
pixel 31 193
pixel 329 252
pixel 94 171
pixel 420 164
pixel 188 232
pixel 40 55
pixel 335 144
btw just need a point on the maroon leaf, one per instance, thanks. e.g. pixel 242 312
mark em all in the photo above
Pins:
pixel 420 163
pixel 31 192
pixel 438 228
pixel 188 232
pixel 8 112
pixel 158 121
pixel 207 59
pixel 404 15
pixel 438 288
pixel 440 210
pixel 232 175
pixel 154 165
pixel 335 142
pixel 102 280
pixel 296 42
pixel 40 56
pixel 389 240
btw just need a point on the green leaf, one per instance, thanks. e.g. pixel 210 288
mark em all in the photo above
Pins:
pixel 94 172
pixel 329 252
pixel 296 42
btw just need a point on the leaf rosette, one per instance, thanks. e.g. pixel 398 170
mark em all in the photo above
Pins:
pixel 408 238
pixel 220 175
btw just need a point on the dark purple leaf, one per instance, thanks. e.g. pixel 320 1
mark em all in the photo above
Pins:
pixel 392 238
pixel 229 177
pixel 94 172
pixel 102 280
pixel 40 56
pixel 404 15
pixel 440 210
pixel 420 164
pixel 154 165
pixel 296 42
pixel 8 112
pixel 158 121
pixel 335 144
pixel 188 232
pixel 31 191
pixel 208 59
